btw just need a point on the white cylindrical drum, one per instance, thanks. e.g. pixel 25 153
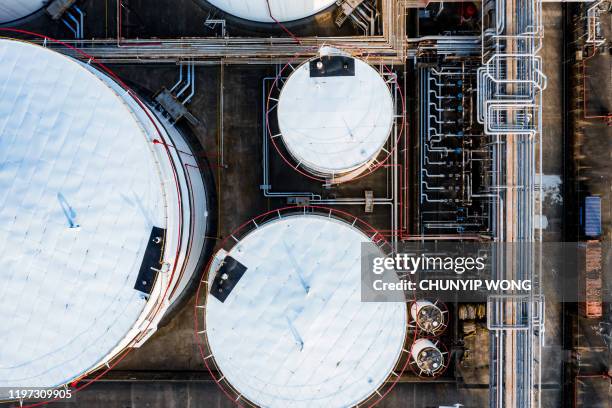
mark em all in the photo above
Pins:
pixel 335 114
pixel 427 357
pixel 428 316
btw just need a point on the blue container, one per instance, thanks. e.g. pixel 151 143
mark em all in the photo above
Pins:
pixel 592 216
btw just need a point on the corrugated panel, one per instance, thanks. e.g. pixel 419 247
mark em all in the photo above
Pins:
pixel 592 216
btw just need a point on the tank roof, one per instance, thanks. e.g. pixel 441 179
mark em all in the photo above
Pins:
pixel 338 119
pixel 282 10
pixel 294 331
pixel 11 10
pixel 80 190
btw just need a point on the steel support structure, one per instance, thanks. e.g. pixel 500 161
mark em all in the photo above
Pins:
pixel 388 48
pixel 510 83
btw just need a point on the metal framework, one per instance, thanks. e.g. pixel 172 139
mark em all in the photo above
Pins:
pixel 510 83
pixel 455 160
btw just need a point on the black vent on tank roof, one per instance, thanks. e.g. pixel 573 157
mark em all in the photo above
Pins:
pixel 227 277
pixel 332 66
pixel 151 261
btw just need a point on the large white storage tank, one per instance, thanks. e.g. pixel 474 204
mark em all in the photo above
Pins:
pixel 11 10
pixel 264 10
pixel 284 321
pixel 335 114
pixel 101 218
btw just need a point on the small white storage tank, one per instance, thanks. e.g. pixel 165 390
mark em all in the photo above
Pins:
pixel 284 319
pixel 335 114
pixel 11 10
pixel 427 357
pixel 429 317
pixel 101 218
pixel 281 10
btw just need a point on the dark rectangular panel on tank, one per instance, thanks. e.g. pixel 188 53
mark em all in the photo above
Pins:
pixel 332 66
pixel 227 278
pixel 151 261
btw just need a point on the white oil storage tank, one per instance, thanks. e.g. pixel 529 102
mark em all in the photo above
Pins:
pixel 335 115
pixel 284 322
pixel 265 11
pixel 11 10
pixel 102 217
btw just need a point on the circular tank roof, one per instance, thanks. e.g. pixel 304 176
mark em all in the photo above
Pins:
pixel 11 10
pixel 79 194
pixel 428 357
pixel 282 10
pixel 428 316
pixel 335 113
pixel 294 331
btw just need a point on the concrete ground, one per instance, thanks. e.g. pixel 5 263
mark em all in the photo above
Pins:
pixel 592 338
pixel 552 205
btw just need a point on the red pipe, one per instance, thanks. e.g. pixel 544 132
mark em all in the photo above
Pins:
pixel 281 25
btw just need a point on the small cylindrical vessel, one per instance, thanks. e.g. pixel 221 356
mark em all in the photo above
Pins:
pixel 429 317
pixel 427 357
pixel 335 115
